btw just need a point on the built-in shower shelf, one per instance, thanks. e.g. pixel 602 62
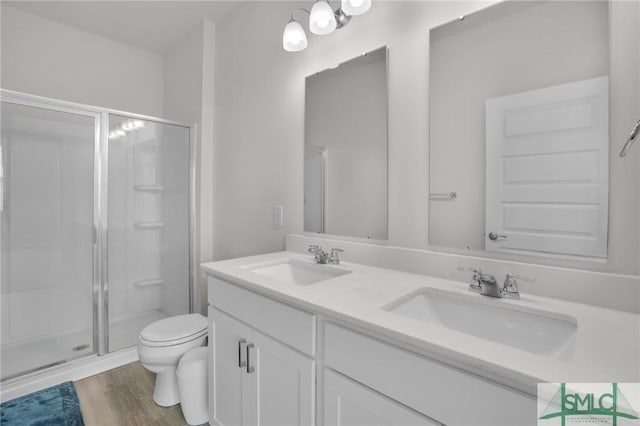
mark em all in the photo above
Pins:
pixel 149 188
pixel 148 225
pixel 148 282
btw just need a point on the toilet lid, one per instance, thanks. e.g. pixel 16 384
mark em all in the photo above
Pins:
pixel 170 329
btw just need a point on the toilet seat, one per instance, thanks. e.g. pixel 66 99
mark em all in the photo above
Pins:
pixel 174 330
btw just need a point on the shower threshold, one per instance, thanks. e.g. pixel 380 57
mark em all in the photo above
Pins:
pixel 67 371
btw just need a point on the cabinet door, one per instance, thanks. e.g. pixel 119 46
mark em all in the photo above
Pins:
pixel 427 386
pixel 281 391
pixel 226 382
pixel 348 403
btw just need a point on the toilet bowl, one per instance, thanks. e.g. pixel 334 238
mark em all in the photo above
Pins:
pixel 160 347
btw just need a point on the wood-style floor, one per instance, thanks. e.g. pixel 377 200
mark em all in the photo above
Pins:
pixel 123 397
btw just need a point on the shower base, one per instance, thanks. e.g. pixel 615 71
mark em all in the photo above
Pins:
pixel 25 357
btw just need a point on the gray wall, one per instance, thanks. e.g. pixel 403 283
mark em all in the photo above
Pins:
pixel 260 114
pixel 43 57
pixel 259 130
pixel 188 89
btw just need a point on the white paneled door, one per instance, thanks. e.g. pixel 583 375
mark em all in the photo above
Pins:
pixel 547 159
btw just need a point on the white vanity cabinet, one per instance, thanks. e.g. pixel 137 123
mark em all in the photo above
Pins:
pixel 264 373
pixel 256 379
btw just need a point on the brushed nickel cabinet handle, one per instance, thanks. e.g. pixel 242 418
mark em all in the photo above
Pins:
pixel 250 369
pixel 241 362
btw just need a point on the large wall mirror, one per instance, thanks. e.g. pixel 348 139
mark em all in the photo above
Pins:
pixel 521 160
pixel 345 148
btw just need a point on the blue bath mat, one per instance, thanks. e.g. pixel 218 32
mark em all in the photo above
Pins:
pixel 54 406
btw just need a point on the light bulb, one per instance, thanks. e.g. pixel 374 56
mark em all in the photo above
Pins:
pixel 293 38
pixel 322 20
pixel 355 7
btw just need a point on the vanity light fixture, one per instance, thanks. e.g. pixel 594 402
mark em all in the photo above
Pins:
pixel 322 20
pixel 294 38
pixel 355 7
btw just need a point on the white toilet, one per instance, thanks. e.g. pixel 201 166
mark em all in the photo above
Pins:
pixel 160 347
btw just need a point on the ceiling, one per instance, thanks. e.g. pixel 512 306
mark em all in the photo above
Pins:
pixel 150 25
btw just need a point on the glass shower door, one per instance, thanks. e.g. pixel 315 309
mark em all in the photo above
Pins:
pixel 46 236
pixel 148 225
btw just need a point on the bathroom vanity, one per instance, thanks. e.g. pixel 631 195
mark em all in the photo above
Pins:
pixel 297 343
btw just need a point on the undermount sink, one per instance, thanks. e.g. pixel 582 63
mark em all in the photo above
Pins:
pixel 538 332
pixel 297 272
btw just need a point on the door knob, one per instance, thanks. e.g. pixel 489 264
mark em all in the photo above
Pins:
pixel 494 236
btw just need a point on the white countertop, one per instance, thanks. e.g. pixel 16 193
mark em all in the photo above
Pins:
pixel 607 342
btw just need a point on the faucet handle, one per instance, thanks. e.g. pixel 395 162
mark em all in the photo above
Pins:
pixel 334 258
pixel 470 268
pixel 477 272
pixel 314 248
pixel 512 277
pixel 510 288
pixel 475 279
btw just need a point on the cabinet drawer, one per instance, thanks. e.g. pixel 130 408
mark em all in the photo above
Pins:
pixel 443 393
pixel 285 323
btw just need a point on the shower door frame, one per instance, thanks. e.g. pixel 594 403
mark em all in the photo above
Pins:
pixel 100 285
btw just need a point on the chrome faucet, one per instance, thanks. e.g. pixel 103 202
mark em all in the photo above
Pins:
pixel 321 256
pixel 334 257
pixel 487 285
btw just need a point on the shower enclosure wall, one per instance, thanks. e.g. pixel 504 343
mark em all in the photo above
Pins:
pixel 96 236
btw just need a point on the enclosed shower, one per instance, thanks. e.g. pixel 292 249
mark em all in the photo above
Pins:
pixel 97 229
